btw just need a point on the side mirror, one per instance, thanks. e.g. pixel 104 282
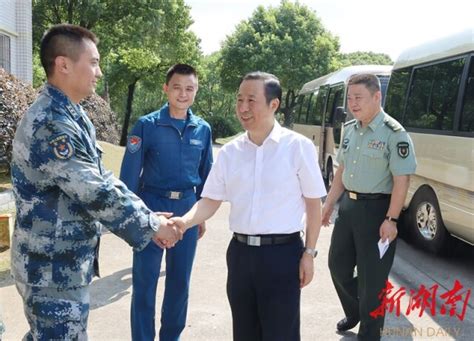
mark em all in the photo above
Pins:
pixel 340 115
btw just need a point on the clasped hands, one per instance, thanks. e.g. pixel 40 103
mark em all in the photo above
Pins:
pixel 172 230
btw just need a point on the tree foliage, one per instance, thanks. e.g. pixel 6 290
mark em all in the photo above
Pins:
pixel 363 58
pixel 140 40
pixel 213 98
pixel 288 41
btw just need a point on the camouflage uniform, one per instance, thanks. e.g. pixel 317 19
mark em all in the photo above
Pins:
pixel 63 196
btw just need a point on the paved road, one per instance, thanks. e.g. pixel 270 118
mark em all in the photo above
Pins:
pixel 209 315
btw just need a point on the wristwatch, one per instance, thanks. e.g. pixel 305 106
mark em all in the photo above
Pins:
pixel 389 218
pixel 310 251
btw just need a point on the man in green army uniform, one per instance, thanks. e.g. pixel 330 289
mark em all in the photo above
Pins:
pixel 376 159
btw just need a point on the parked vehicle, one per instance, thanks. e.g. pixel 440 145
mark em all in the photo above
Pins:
pixel 322 110
pixel 431 93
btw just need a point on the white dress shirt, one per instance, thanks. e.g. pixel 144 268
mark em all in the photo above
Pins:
pixel 265 184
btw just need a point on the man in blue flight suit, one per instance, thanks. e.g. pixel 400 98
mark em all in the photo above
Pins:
pixel 63 194
pixel 168 158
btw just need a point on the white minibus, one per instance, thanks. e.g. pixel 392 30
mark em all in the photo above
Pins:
pixel 431 93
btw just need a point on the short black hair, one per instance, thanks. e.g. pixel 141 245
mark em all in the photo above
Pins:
pixel 371 82
pixel 271 83
pixel 181 69
pixel 63 40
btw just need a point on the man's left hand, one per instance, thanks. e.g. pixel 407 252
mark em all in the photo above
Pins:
pixel 201 230
pixel 388 229
pixel 306 269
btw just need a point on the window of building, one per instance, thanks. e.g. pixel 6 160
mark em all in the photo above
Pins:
pixel 5 52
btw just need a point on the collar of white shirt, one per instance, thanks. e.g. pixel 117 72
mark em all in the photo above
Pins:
pixel 266 184
pixel 274 135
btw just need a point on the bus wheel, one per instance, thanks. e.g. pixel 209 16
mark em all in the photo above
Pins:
pixel 425 222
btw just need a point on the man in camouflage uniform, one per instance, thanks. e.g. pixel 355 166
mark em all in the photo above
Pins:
pixel 375 161
pixel 64 195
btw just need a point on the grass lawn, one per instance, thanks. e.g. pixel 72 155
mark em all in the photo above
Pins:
pixel 4 264
pixel 5 182
pixel 224 140
pixel 112 157
pixel 112 160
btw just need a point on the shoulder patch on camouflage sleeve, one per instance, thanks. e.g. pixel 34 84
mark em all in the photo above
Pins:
pixel 63 149
pixel 350 122
pixel 392 124
pixel 134 143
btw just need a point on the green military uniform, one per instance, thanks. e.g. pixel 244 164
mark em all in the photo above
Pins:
pixel 371 156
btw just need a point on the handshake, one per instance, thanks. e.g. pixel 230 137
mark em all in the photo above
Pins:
pixel 172 230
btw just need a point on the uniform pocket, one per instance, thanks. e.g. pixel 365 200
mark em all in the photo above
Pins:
pixel 191 157
pixel 375 160
pixel 58 318
pixel 373 153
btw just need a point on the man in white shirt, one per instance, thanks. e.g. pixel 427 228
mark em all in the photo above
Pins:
pixel 271 177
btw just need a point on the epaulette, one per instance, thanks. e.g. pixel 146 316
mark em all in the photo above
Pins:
pixel 392 123
pixel 348 123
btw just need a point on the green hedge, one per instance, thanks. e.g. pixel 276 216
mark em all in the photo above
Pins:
pixel 223 126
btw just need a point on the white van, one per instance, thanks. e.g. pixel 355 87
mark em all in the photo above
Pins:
pixel 321 111
pixel 431 93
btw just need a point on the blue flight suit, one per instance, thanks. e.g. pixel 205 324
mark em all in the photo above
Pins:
pixel 63 196
pixel 166 165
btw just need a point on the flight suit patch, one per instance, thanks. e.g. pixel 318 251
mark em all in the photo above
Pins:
pixel 134 143
pixel 403 149
pixel 376 144
pixel 62 146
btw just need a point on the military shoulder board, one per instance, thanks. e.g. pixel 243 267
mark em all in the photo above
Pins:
pixel 392 124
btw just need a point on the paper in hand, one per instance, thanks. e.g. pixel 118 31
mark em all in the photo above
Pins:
pixel 383 246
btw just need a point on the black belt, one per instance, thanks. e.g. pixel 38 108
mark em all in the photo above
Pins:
pixel 367 196
pixel 175 195
pixel 268 239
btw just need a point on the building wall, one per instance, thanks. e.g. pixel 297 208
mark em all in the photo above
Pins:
pixel 24 54
pixel 15 22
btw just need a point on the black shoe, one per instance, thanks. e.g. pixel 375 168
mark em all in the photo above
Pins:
pixel 347 323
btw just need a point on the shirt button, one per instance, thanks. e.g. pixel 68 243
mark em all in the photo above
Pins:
pixel 354 161
pixel 357 148
pixel 361 134
pixel 352 175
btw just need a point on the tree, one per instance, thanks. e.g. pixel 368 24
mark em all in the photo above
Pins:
pixel 288 41
pixel 212 98
pixel 363 58
pixel 139 39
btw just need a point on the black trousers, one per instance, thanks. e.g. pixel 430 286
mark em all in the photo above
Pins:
pixel 263 291
pixel 354 243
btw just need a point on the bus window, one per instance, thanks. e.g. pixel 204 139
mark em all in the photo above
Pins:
pixel 299 107
pixel 316 117
pixel 432 99
pixel 467 114
pixel 383 86
pixel 314 113
pixel 304 109
pixel 398 86
pixel 336 99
